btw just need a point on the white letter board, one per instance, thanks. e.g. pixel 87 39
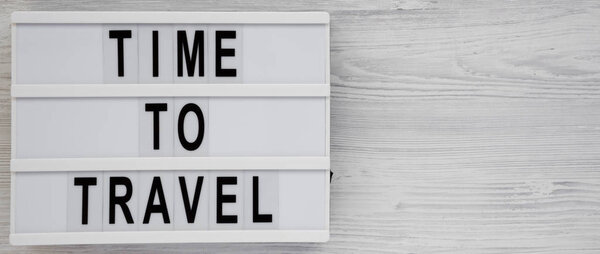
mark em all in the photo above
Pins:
pixel 169 127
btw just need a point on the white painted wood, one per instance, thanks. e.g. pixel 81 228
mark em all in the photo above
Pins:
pixel 457 126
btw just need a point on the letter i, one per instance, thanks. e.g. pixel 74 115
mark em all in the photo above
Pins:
pixel 154 53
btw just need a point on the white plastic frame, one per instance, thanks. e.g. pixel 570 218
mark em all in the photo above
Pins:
pixel 151 90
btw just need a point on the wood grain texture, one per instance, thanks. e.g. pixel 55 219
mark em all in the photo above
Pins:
pixel 457 126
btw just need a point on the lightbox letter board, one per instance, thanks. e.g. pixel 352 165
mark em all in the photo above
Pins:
pixel 148 127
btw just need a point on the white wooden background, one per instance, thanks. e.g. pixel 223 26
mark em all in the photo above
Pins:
pixel 457 126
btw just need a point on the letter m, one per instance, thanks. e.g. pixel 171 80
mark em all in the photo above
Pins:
pixel 197 55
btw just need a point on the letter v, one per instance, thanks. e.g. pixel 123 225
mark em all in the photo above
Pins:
pixel 190 209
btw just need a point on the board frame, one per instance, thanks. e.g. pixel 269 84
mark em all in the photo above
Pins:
pixel 182 163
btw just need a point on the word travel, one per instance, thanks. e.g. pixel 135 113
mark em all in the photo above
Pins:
pixel 120 193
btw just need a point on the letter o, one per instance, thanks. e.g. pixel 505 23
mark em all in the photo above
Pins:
pixel 190 107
